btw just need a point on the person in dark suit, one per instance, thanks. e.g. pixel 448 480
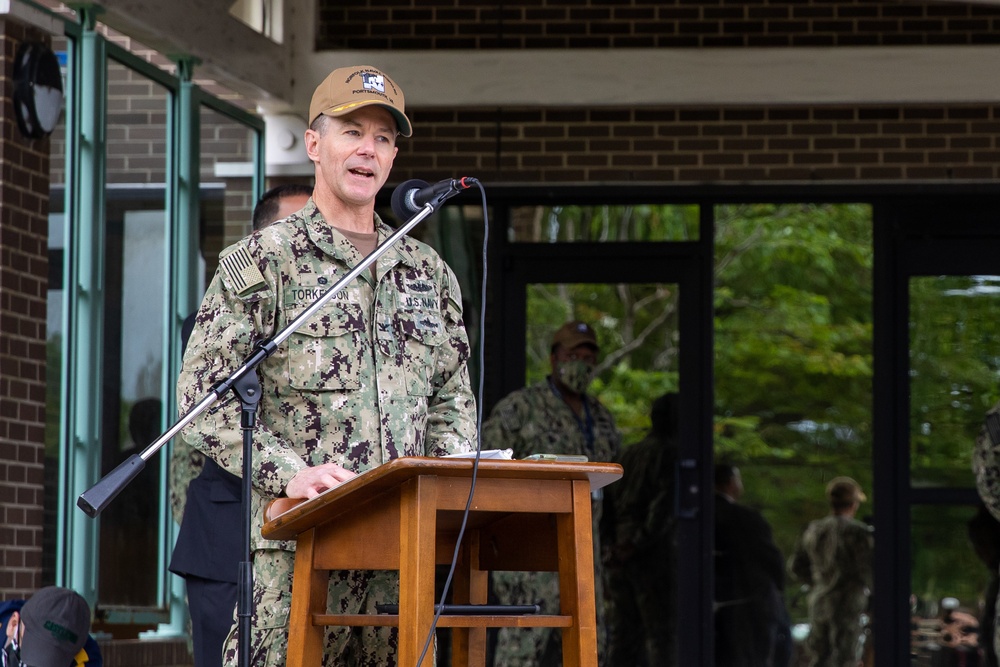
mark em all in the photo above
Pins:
pixel 751 624
pixel 208 549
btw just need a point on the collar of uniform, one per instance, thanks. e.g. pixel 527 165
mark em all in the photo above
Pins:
pixel 327 239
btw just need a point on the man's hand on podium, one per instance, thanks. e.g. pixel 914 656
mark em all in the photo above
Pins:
pixel 312 481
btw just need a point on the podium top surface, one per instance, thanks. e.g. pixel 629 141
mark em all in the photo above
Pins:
pixel 286 517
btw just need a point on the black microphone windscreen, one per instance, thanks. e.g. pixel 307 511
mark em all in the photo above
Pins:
pixel 403 206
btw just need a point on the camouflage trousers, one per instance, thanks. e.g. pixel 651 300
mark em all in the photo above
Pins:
pixel 350 592
pixel 536 647
pixel 642 621
pixel 835 630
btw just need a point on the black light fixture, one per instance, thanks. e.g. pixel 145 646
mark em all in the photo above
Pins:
pixel 38 90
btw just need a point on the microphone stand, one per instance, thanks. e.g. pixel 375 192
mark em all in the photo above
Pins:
pixel 246 386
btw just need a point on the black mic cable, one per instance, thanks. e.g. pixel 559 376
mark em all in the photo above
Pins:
pixel 479 421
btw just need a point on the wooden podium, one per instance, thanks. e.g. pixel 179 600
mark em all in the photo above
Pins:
pixel 406 515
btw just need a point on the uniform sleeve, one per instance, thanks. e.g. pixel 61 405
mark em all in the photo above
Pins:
pixel 186 463
pixel 226 328
pixel 451 418
pixel 503 428
pixel 799 564
pixel 986 461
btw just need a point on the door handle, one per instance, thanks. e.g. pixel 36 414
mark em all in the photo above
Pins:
pixel 688 489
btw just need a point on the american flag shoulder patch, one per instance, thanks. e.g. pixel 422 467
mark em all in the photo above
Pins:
pixel 241 271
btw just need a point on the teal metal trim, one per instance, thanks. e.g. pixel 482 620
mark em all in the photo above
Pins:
pixel 231 111
pixel 85 288
pixel 181 298
pixel 146 69
pixel 65 365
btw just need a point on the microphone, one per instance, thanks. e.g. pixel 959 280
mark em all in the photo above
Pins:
pixel 411 196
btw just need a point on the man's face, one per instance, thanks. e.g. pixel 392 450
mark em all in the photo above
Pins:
pixel 354 155
pixel 290 204
pixel 573 369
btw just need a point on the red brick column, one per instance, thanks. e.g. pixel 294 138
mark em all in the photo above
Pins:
pixel 24 207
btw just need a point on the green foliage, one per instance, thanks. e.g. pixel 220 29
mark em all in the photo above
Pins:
pixel 954 371
pixel 640 222
pixel 793 333
pixel 793 360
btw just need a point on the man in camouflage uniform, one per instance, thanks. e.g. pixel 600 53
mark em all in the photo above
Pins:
pixel 986 467
pixel 380 372
pixel 555 416
pixel 834 557
pixel 205 500
pixel 638 531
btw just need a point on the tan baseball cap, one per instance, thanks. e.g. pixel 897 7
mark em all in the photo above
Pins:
pixel 573 334
pixel 347 89
pixel 844 489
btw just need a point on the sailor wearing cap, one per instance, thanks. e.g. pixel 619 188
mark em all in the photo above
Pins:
pixel 554 416
pixel 379 373
pixel 834 558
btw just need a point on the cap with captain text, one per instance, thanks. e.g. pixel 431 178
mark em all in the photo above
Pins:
pixel 573 334
pixel 348 89
pixel 56 623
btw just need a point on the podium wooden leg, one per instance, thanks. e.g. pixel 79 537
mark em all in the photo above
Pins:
pixel 468 645
pixel 309 589
pixel 576 580
pixel 417 524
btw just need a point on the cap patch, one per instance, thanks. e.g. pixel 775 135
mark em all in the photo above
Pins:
pixel 373 81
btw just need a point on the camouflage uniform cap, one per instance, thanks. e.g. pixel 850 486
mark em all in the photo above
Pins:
pixel 573 334
pixel 844 489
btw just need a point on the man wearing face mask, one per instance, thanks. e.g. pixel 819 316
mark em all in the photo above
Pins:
pixel 555 416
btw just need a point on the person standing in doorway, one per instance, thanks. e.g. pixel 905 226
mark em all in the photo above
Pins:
pixel 833 558
pixel 554 416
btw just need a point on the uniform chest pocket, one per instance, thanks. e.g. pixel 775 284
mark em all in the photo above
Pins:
pixel 421 333
pixel 326 352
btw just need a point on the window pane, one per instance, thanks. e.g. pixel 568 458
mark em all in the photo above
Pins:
pixel 954 372
pixel 637 328
pixel 129 572
pixel 951 581
pixel 227 196
pixel 793 359
pixel 643 222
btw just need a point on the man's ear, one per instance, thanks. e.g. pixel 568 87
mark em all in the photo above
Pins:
pixel 13 624
pixel 311 140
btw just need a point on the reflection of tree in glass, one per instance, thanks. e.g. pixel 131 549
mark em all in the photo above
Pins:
pixel 633 222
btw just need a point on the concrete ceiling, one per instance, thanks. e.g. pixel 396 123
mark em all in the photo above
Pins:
pixel 228 50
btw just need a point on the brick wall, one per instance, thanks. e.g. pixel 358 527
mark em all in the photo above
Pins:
pixel 560 24
pixel 24 185
pixel 695 145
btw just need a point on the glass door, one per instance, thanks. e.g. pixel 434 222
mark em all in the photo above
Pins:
pixel 943 377
pixel 649 305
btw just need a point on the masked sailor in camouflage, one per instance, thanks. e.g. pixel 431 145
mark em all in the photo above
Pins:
pixel 380 372
pixel 554 416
